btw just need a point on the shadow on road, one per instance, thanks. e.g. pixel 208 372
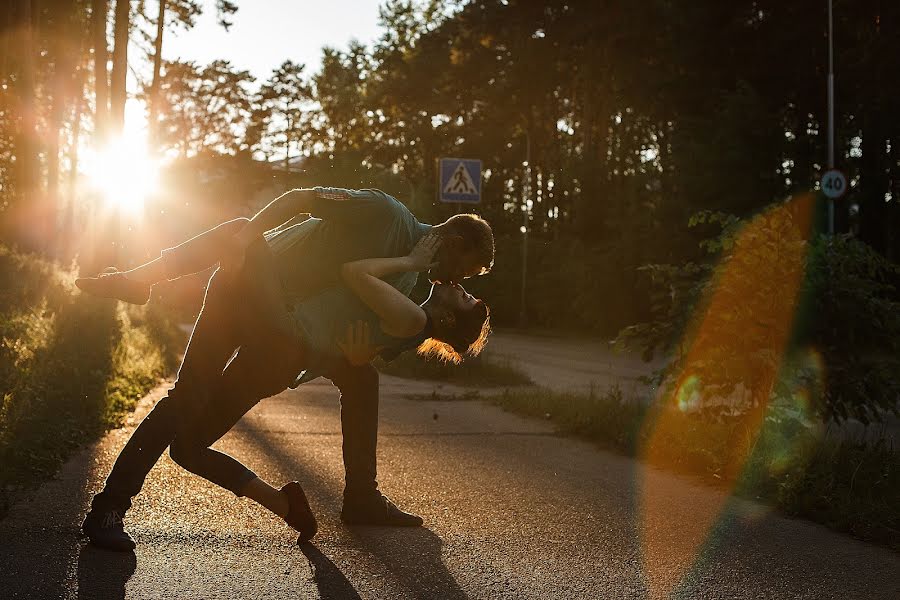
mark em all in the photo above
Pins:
pixel 103 574
pixel 332 584
pixel 411 555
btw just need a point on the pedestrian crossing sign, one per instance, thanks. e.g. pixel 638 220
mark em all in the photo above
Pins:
pixel 460 180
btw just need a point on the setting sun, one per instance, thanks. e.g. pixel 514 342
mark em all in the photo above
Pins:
pixel 124 174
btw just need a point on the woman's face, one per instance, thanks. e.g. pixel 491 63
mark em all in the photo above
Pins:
pixel 453 296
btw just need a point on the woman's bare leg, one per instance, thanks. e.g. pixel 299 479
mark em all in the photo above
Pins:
pixel 197 254
pixel 149 272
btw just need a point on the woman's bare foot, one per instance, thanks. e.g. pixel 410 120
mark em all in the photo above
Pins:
pixel 111 283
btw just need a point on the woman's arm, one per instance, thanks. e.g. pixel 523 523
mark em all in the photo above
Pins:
pixel 400 316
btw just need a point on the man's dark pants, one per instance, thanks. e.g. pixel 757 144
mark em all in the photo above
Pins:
pixel 215 387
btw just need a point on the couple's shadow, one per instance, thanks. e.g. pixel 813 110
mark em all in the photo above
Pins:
pixel 412 555
pixel 103 573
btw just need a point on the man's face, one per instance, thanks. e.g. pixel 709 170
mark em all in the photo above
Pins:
pixel 454 265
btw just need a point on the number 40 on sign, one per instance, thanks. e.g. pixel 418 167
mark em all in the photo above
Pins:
pixel 834 184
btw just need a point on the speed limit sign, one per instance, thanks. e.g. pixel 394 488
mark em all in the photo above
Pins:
pixel 834 184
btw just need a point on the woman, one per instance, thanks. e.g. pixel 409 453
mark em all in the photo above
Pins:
pixel 449 324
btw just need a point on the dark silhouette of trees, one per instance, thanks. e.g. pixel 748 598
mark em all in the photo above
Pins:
pixel 633 117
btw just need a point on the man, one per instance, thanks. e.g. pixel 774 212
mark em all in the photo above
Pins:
pixel 348 225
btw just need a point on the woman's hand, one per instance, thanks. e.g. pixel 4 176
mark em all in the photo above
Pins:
pixel 421 257
pixel 357 344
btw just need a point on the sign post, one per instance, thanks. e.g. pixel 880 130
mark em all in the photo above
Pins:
pixel 459 180
pixel 831 118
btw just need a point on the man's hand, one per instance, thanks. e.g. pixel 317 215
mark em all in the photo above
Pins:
pixel 357 344
pixel 421 257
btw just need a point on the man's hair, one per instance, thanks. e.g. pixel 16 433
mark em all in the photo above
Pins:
pixel 477 237
pixel 467 339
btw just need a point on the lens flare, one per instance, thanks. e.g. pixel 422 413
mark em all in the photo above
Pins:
pixel 124 174
pixel 687 397
pixel 740 336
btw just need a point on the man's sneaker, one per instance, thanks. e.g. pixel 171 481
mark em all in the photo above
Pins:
pixel 300 515
pixel 114 284
pixel 106 530
pixel 376 510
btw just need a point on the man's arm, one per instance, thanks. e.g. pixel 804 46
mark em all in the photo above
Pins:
pixel 364 208
pixel 278 211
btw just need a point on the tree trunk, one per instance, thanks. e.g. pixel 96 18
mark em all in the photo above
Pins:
pixel 119 67
pixel 101 75
pixel 26 143
pixel 157 64
pixel 69 228
pixel 63 61
pixel 7 24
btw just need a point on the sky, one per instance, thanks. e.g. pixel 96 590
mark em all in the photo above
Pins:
pixel 265 33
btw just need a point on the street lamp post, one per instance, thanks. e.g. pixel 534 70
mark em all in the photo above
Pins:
pixel 526 211
pixel 830 110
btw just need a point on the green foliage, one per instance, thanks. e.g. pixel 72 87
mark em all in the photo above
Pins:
pixel 284 112
pixel 205 108
pixel 724 322
pixel 848 485
pixel 70 366
pixel 851 315
pixel 607 418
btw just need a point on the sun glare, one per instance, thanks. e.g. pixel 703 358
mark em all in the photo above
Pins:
pixel 769 250
pixel 123 174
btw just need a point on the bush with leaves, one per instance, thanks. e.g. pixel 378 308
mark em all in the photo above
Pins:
pixel 851 317
pixel 774 314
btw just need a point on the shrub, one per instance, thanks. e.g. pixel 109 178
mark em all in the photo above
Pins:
pixel 71 366
pixel 776 314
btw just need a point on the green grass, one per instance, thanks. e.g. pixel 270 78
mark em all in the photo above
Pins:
pixel 849 486
pixel 71 366
pixel 467 396
pixel 481 371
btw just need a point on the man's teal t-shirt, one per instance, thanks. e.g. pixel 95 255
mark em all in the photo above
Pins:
pixel 347 225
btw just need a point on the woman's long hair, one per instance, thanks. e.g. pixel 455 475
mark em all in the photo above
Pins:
pixel 466 339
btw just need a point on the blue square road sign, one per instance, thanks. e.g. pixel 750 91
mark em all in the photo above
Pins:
pixel 460 180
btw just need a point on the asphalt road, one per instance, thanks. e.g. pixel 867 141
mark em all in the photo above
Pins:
pixel 564 363
pixel 511 511
pixel 579 364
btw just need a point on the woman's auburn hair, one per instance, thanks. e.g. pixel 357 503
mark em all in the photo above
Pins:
pixel 474 327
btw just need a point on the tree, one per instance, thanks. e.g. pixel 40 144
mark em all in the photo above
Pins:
pixel 285 105
pixel 118 78
pixel 101 75
pixel 204 108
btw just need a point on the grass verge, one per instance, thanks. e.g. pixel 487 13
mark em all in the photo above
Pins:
pixel 71 366
pixel 483 370
pixel 847 485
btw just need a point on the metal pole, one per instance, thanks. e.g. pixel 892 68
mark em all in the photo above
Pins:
pixel 526 192
pixel 830 110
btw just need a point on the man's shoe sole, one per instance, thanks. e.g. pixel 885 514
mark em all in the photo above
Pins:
pixel 116 546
